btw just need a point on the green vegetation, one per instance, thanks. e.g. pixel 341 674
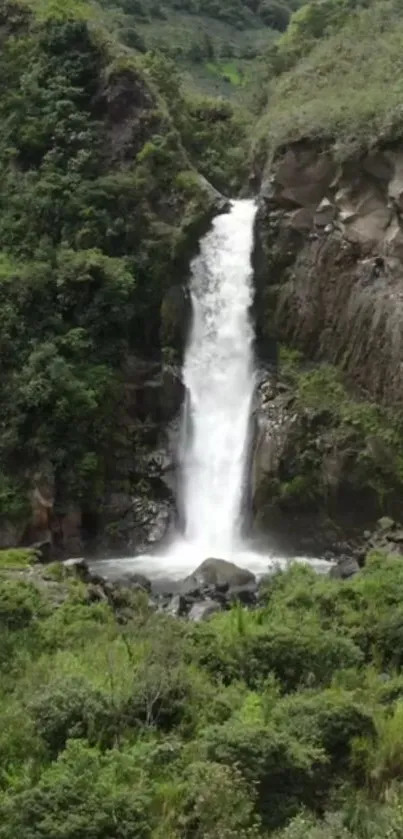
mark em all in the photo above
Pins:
pixel 99 205
pixel 340 447
pixel 204 36
pixel 212 130
pixel 339 89
pixel 283 721
pixel 16 558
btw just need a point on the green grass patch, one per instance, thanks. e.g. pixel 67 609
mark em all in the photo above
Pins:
pixel 227 70
pixel 62 9
pixel 17 558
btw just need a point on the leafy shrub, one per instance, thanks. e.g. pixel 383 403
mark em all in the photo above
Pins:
pixel 20 604
pixel 84 793
pixel 285 770
pixel 18 738
pixel 211 802
pixel 75 622
pixel 307 655
pixel 380 759
pixel 319 96
pixel 16 558
pixel 72 708
pixel 306 826
pixel 330 720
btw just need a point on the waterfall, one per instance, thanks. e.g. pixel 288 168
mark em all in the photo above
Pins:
pixel 219 378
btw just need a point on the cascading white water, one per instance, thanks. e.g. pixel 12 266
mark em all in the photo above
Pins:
pixel 219 377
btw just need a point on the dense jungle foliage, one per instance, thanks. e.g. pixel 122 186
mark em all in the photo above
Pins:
pixel 100 201
pixel 119 722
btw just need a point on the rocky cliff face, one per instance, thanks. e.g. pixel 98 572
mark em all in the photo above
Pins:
pixel 329 269
pixel 329 260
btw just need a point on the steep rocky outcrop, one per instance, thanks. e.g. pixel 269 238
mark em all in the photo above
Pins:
pixel 325 464
pixel 329 262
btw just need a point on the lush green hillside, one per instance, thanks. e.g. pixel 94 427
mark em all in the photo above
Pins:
pixel 336 74
pixel 99 202
pixel 118 722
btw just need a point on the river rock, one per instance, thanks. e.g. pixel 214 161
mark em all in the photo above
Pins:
pixel 203 610
pixel 387 538
pixel 247 594
pixel 346 567
pixel 43 551
pixel 218 573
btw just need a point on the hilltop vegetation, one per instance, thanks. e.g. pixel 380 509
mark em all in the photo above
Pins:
pixel 283 722
pixel 335 76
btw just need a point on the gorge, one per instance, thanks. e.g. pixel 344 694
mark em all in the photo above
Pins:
pixel 219 376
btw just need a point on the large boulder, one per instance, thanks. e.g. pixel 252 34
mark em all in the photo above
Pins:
pixel 11 533
pixel 346 567
pixel 203 610
pixel 218 573
pixel 387 538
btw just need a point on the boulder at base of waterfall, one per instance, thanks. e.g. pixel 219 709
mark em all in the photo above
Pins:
pixel 203 609
pixel 219 573
pixel 346 567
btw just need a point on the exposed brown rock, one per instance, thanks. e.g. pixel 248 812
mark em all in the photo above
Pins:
pixel 329 262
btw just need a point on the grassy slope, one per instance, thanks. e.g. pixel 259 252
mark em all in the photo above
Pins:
pixel 234 49
pixel 349 88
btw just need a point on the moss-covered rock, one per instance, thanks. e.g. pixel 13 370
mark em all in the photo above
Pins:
pixel 323 455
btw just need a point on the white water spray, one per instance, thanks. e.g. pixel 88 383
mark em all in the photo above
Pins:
pixel 219 377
